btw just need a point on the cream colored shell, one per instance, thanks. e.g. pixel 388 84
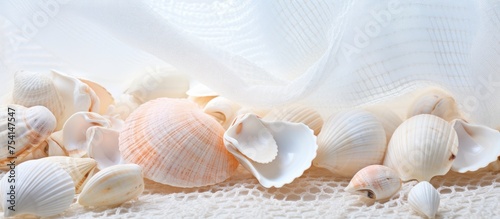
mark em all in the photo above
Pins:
pixel 422 147
pixel 297 114
pixel 375 182
pixel 176 144
pixel 424 199
pixel 80 169
pixel 438 102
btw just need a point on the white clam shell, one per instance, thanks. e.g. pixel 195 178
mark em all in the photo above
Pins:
pixel 223 110
pixel 42 188
pixel 478 146
pixel 349 141
pixel 63 95
pixel 296 149
pixel 75 131
pixel 435 101
pixel 389 120
pixel 250 136
pixel 297 114
pixel 375 182
pixel 113 186
pixel 102 145
pixel 32 126
pixel 424 199
pixel 80 169
pixel 422 147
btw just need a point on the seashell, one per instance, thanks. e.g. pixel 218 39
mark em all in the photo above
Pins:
pixel 80 169
pixel 41 188
pixel 222 109
pixel 349 141
pixel 297 114
pixel 28 132
pixel 102 145
pixel 124 105
pixel 75 131
pixel 113 186
pixel 61 94
pixel 296 148
pixel 176 144
pixel 435 101
pixel 389 120
pixel 422 147
pixel 105 98
pixel 424 199
pixel 375 182
pixel 478 146
pixel 157 83
pixel 200 94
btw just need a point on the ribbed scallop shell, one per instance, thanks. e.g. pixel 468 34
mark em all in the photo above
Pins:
pixel 297 114
pixel 113 186
pixel 80 169
pixel 31 127
pixel 176 144
pixel 349 141
pixel 422 147
pixel 424 199
pixel 375 182
pixel 42 188
pixel 389 120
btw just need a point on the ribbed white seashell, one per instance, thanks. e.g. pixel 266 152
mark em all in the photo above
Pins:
pixel 105 98
pixel 61 94
pixel 102 145
pixel 389 120
pixel 157 83
pixel 297 114
pixel 80 169
pixel 437 102
pixel 29 127
pixel 223 110
pixel 375 182
pixel 422 147
pixel 42 188
pixel 478 146
pixel 296 148
pixel 349 141
pixel 424 199
pixel 75 131
pixel 113 186
pixel 176 144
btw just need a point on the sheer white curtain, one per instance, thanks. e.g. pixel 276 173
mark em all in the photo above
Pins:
pixel 330 55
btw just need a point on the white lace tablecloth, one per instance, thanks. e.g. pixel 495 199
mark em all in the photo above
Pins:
pixel 317 194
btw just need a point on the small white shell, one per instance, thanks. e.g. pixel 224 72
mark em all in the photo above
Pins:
pixel 297 114
pixel 113 186
pixel 424 199
pixel 422 147
pixel 478 146
pixel 42 188
pixel 296 149
pixel 75 131
pixel 349 141
pixel 375 182
pixel 223 110
pixel 435 101
pixel 200 94
pixel 80 169
pixel 102 145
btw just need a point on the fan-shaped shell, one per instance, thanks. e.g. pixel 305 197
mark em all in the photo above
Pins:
pixel 422 147
pixel 42 188
pixel 297 114
pixel 424 199
pixel 176 144
pixel 28 129
pixel 80 169
pixel 375 182
pixel 113 186
pixel 349 141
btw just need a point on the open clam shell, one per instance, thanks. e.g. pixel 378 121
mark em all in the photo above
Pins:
pixel 478 146
pixel 422 147
pixel 41 188
pixel 296 149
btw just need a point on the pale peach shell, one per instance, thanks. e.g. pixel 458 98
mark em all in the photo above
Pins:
pixel 176 144
pixel 375 182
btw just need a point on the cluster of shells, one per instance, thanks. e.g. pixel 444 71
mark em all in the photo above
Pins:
pixel 180 133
